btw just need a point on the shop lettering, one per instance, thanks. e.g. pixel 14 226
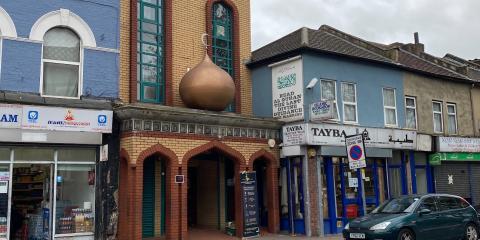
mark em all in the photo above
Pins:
pixel 9 118
pixel 294 128
pixel 326 132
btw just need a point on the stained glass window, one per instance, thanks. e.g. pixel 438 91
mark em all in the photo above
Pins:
pixel 222 40
pixel 150 42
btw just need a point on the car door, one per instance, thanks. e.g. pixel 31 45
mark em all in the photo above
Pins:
pixel 427 224
pixel 450 218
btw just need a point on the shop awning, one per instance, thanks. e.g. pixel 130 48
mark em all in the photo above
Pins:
pixel 437 158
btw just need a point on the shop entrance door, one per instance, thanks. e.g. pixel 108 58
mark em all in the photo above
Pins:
pixel 291 196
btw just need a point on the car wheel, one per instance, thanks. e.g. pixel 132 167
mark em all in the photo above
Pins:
pixel 471 232
pixel 406 234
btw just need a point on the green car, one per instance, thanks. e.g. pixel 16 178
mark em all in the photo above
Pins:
pixel 423 217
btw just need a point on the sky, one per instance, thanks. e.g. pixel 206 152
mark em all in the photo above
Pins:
pixel 444 26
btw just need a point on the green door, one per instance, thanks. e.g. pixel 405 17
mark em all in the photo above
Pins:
pixel 148 211
pixel 429 225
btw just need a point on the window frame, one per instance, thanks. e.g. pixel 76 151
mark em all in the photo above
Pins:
pixel 79 64
pixel 335 101
pixel 349 103
pixel 414 110
pixel 454 105
pixel 441 116
pixel 389 107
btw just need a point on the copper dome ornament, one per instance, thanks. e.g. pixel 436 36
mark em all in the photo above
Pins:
pixel 207 87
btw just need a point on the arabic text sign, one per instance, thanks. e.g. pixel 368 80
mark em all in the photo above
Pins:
pixel 321 110
pixel 66 119
pixel 287 91
pixel 355 151
pixel 457 144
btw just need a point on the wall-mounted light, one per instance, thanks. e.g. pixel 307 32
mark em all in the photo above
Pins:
pixel 312 83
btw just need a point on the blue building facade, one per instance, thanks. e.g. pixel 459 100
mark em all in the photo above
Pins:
pixel 364 89
pixel 59 77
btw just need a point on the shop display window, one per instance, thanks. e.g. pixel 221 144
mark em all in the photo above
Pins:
pixel 4 154
pixel 75 199
pixel 77 155
pixel 34 154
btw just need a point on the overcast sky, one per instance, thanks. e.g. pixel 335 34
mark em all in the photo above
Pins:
pixel 444 26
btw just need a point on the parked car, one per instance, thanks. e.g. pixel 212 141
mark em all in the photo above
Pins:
pixel 422 217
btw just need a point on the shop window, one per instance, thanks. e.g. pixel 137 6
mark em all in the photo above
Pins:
pixel 33 154
pixel 437 117
pixel 61 63
pixel 222 40
pixel 389 107
pixel 77 155
pixel 410 113
pixel 4 154
pixel 329 93
pixel 150 51
pixel 75 199
pixel 421 180
pixel 452 118
pixel 349 99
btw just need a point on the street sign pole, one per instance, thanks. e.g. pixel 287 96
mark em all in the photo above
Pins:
pixel 357 160
pixel 364 200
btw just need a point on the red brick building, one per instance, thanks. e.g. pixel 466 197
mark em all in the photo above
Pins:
pixel 163 140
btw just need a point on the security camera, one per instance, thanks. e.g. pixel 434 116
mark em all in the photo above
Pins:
pixel 312 83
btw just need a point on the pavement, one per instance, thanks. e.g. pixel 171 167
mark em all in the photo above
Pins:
pixel 204 234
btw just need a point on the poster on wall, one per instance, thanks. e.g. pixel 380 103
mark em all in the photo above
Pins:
pixel 287 91
pixel 248 183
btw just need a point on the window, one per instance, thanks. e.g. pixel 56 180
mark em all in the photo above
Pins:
pixel 150 43
pixel 349 99
pixel 410 113
pixel 389 107
pixel 437 117
pixel 428 203
pixel 61 63
pixel 452 118
pixel 329 93
pixel 222 40
pixel 448 203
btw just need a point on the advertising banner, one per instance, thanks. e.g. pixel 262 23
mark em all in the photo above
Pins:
pixel 458 144
pixel 287 91
pixel 248 182
pixel 294 135
pixel 66 119
pixel 321 110
pixel 355 151
pixel 10 116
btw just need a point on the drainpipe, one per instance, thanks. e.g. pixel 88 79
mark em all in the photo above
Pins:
pixel 473 111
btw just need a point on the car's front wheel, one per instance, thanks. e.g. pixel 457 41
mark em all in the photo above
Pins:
pixel 406 234
pixel 471 232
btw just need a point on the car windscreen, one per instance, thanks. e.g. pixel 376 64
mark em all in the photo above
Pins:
pixel 397 205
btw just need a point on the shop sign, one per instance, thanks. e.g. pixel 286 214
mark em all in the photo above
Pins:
pixel 10 116
pixel 248 183
pixel 457 144
pixel 437 158
pixel 294 134
pixel 287 91
pixel 355 151
pixel 67 119
pixel 334 135
pixel 321 110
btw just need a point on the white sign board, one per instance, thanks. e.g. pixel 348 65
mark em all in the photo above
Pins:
pixel 66 119
pixel 457 144
pixel 104 153
pixel 10 116
pixel 352 182
pixel 287 91
pixel 294 134
pixel 355 151
pixel 322 110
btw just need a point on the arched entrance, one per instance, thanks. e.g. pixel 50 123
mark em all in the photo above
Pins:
pixel 154 197
pixel 266 168
pixel 213 192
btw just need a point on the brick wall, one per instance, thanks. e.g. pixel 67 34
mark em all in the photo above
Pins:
pixel 124 73
pixel 313 190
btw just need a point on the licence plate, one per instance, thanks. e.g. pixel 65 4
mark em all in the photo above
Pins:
pixel 357 235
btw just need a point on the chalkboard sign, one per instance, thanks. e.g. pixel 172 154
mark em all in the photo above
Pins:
pixel 248 181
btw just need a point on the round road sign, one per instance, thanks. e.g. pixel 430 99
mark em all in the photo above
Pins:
pixel 356 152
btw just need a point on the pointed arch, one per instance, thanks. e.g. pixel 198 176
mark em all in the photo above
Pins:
pixel 262 153
pixel 236 156
pixel 63 18
pixel 7 27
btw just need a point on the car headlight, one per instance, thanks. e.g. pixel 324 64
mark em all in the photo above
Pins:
pixel 347 226
pixel 380 226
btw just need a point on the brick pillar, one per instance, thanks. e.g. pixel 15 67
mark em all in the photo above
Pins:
pixel 313 189
pixel 272 199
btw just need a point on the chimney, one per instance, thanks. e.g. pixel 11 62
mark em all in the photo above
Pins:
pixel 416 48
pixel 415 36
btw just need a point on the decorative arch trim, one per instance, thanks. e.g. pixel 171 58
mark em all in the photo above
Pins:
pixel 236 44
pixel 225 149
pixel 7 27
pixel 157 149
pixel 262 153
pixel 63 18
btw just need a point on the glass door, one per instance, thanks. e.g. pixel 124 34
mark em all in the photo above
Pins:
pixel 5 186
pixel 291 196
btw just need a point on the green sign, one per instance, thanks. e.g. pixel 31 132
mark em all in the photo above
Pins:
pixel 437 158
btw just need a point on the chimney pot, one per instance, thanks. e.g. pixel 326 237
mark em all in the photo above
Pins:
pixel 415 35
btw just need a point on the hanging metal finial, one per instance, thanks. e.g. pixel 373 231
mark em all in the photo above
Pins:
pixel 205 40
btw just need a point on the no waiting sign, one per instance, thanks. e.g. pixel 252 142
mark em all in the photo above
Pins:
pixel 355 151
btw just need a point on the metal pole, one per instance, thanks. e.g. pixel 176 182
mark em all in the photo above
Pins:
pixel 364 200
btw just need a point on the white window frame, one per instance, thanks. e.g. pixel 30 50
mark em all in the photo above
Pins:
pixel 349 103
pixel 79 64
pixel 389 107
pixel 441 116
pixel 335 101
pixel 454 105
pixel 414 110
